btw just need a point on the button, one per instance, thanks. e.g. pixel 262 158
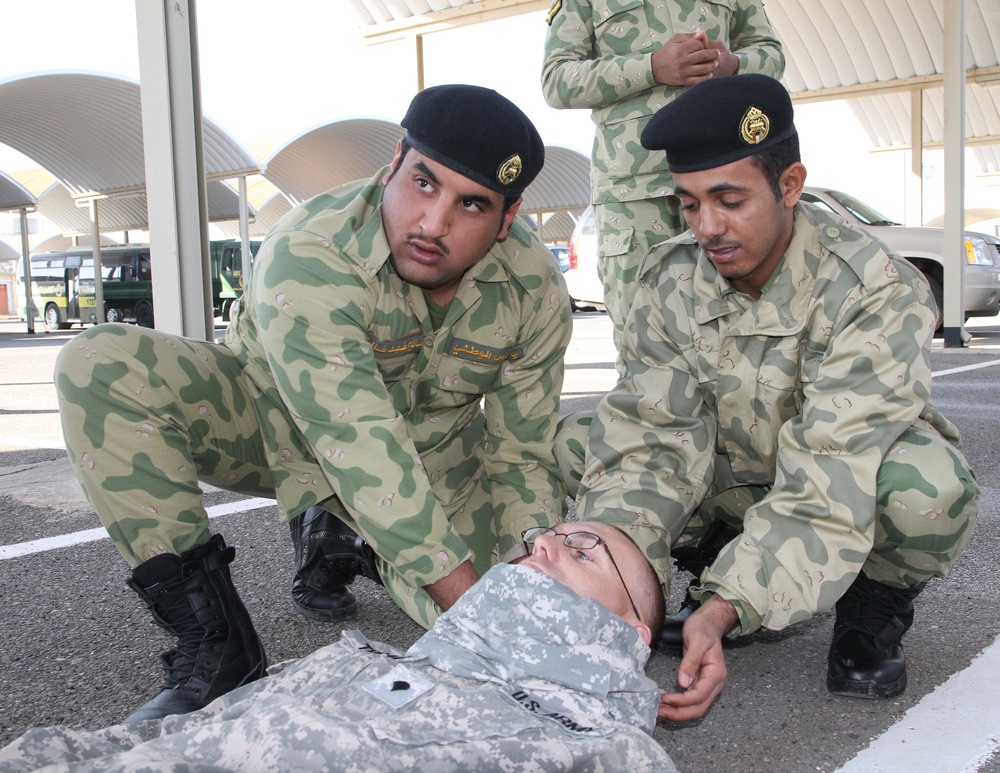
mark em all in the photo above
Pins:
pixel 833 232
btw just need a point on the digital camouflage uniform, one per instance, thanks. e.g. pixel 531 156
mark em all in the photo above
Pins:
pixel 522 674
pixel 333 387
pixel 803 419
pixel 598 56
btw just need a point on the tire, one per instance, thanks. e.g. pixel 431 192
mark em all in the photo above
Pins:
pixel 53 321
pixel 227 309
pixel 114 315
pixel 938 295
pixel 144 314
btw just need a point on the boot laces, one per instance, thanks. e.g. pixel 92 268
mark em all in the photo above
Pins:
pixel 179 661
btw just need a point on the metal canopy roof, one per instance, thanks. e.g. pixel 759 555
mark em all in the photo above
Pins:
pixel 356 148
pixel 86 129
pixel 869 52
pixel 13 195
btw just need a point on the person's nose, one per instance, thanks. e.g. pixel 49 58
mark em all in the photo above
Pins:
pixel 711 222
pixel 436 219
pixel 547 546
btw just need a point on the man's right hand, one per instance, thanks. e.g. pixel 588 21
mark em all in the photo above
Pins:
pixel 449 589
pixel 685 59
pixel 702 673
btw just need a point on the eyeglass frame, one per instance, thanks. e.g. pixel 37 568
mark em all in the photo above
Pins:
pixel 537 531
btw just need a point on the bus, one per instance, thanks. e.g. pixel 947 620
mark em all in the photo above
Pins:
pixel 62 284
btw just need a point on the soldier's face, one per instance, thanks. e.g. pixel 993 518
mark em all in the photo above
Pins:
pixel 736 219
pixel 589 572
pixel 439 223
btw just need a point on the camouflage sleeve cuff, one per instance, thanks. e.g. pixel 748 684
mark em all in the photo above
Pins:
pixel 749 621
pixel 439 562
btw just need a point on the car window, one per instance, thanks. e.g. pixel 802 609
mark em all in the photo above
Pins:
pixel 860 210
pixel 811 199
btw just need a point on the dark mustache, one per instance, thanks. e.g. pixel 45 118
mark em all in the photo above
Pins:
pixel 438 244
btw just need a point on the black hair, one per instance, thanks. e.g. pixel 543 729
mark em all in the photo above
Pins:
pixel 776 159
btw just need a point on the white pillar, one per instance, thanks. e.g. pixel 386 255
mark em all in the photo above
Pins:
pixel 954 172
pixel 175 171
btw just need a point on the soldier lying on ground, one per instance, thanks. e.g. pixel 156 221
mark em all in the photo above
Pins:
pixel 397 358
pixel 779 389
pixel 539 666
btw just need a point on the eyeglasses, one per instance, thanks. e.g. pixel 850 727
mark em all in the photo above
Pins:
pixel 579 540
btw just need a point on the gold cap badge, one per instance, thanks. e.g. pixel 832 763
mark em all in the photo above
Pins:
pixel 510 170
pixel 754 126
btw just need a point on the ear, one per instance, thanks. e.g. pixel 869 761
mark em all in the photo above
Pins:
pixel 792 181
pixel 508 218
pixel 394 163
pixel 643 629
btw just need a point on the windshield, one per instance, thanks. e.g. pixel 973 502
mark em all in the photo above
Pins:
pixel 860 210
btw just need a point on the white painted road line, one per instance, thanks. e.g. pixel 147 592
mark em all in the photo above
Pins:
pixel 964 368
pixel 955 729
pixel 92 535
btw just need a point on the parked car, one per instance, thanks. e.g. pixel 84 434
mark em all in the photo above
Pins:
pixel 923 247
pixel 584 285
pixel 562 256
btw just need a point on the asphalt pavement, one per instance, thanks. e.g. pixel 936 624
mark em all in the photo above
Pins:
pixel 78 648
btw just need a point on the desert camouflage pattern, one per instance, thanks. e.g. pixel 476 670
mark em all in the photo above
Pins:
pixel 333 386
pixel 597 57
pixel 521 674
pixel 803 418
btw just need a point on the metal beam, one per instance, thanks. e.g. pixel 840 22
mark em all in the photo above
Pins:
pixel 450 18
pixel 984 76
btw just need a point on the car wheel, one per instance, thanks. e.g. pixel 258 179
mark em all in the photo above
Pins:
pixel 143 314
pixel 114 315
pixel 938 295
pixel 52 320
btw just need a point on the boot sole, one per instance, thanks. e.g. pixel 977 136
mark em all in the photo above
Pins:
pixel 870 689
pixel 327 615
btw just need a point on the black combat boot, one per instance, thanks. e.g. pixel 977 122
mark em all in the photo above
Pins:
pixel 328 555
pixel 694 560
pixel 192 597
pixel 866 658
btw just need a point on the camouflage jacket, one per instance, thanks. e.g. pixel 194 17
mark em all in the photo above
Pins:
pixel 521 674
pixel 359 397
pixel 598 56
pixel 800 393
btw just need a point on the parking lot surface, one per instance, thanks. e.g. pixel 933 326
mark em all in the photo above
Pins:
pixel 78 648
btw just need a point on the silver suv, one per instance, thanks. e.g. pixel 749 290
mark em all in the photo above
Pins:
pixel 923 247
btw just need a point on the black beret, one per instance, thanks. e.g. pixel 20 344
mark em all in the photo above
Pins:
pixel 477 133
pixel 719 121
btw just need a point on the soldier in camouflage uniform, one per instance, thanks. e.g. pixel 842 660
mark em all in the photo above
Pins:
pixel 624 61
pixel 538 667
pixel 780 384
pixel 397 358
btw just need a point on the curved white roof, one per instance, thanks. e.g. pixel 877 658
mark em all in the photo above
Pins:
pixel 858 50
pixel 86 129
pixel 13 195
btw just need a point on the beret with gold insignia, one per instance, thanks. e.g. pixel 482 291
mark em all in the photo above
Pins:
pixel 478 133
pixel 721 120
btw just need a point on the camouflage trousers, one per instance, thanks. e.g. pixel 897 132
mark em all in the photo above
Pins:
pixel 910 546
pixel 625 232
pixel 147 416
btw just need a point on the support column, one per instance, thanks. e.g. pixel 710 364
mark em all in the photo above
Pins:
pixel 175 170
pixel 954 172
